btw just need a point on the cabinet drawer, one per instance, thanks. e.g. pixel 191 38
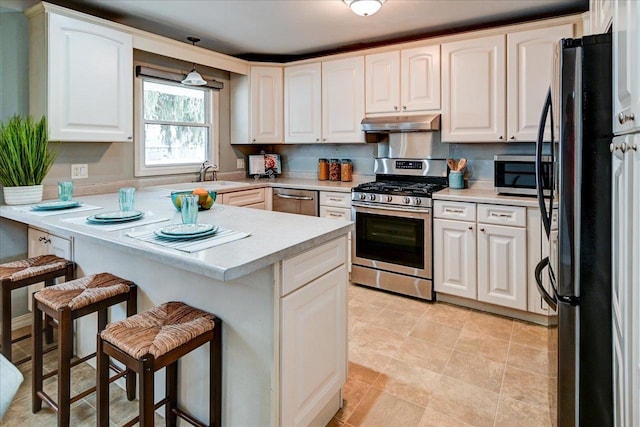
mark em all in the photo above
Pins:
pixel 333 198
pixel 514 216
pixel 339 213
pixel 462 211
pixel 301 269
pixel 244 198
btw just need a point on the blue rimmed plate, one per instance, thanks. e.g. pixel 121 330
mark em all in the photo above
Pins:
pixel 162 235
pixel 58 204
pixel 114 217
pixel 186 229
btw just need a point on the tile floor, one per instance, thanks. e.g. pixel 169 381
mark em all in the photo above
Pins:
pixel 411 364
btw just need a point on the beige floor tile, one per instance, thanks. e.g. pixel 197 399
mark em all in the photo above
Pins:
pixel 371 296
pixel 464 402
pixel 407 382
pixel 433 418
pixel 495 349
pixel 364 311
pixel 365 364
pixel 489 324
pixel 335 423
pixel 529 359
pixel 530 335
pixel 380 340
pixel 379 409
pixel 526 386
pixel 352 394
pixel 447 314
pixel 424 354
pixel 435 333
pixel 396 321
pixel 515 413
pixel 415 307
pixel 475 370
pixel 355 326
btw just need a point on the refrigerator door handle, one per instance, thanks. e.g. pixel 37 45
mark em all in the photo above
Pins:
pixel 546 213
pixel 551 300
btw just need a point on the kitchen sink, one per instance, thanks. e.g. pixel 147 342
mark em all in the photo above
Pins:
pixel 207 185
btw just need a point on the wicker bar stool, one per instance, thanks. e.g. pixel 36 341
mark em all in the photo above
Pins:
pixel 19 274
pixel 65 303
pixel 152 340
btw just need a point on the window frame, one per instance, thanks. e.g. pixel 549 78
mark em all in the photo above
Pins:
pixel 212 113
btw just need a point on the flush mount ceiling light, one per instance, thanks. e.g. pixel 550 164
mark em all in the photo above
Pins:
pixel 364 7
pixel 194 78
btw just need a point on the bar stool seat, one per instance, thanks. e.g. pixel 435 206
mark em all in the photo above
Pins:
pixel 66 302
pixel 155 339
pixel 18 274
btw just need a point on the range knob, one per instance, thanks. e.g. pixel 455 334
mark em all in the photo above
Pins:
pixel 417 201
pixel 406 200
pixel 388 198
pixel 362 196
pixel 372 197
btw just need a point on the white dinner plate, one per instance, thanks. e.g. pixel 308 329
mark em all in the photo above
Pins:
pixel 186 229
pixel 58 204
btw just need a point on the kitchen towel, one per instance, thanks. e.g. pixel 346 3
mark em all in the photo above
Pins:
pixel 80 208
pixel 221 237
pixel 148 218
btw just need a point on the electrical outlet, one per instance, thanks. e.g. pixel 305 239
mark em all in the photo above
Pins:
pixel 240 163
pixel 79 171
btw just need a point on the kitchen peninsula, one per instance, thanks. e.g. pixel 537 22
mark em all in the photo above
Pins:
pixel 281 294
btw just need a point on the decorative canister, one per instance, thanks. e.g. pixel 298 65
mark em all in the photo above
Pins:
pixel 346 170
pixel 323 169
pixel 334 170
pixel 456 179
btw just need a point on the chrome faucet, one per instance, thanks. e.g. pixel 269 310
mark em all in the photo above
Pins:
pixel 206 166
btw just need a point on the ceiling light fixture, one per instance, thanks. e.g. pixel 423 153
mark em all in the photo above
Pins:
pixel 194 78
pixel 364 7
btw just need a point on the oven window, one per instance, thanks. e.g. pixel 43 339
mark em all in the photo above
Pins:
pixel 390 239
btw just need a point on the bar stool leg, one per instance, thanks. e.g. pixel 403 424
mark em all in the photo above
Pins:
pixel 215 377
pixel 146 391
pixel 36 356
pixel 65 353
pixel 171 373
pixel 102 384
pixel 6 321
pixel 48 328
pixel 130 376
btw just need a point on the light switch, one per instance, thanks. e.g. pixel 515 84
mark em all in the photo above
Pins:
pixel 79 171
pixel 240 163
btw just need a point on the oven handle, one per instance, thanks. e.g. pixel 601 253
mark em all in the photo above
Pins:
pixel 387 208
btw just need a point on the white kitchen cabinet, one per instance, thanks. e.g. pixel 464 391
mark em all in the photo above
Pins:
pixel 407 80
pixel 529 75
pixel 539 247
pixel 43 243
pixel 600 15
pixel 312 321
pixel 81 78
pixel 337 205
pixel 454 259
pixel 473 90
pixel 302 103
pixel 343 100
pixel 266 105
pixel 626 66
pixel 254 198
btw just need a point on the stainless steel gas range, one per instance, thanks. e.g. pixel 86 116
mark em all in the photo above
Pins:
pixel 392 247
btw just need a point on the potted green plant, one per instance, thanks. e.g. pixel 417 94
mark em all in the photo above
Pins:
pixel 25 159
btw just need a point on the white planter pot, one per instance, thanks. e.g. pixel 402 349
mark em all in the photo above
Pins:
pixel 23 195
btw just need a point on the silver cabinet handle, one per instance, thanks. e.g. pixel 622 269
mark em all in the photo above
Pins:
pixel 456 211
pixel 500 215
pixel 334 199
pixel 623 118
pixel 633 147
pixel 289 196
pixel 335 215
pixel 612 147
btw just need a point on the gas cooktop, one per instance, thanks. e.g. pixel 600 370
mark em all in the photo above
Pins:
pixel 402 193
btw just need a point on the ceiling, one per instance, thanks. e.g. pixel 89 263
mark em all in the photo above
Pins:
pixel 257 29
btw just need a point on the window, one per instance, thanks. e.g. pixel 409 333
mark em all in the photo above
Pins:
pixel 177 127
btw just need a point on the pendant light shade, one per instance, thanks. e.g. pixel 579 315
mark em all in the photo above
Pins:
pixel 364 7
pixel 194 78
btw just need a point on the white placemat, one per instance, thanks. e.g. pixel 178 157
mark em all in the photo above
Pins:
pixel 221 237
pixel 148 218
pixel 80 208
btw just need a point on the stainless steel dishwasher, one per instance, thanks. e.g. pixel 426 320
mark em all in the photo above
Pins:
pixel 304 202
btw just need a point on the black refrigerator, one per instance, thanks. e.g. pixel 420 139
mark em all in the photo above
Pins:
pixel 580 277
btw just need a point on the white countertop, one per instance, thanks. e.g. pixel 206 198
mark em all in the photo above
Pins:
pixel 274 235
pixel 484 195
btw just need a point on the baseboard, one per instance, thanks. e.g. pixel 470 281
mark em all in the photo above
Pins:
pixel 20 321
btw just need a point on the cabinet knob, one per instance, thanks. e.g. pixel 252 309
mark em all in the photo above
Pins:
pixel 512 138
pixel 633 147
pixel 612 147
pixel 324 139
pixel 500 138
pixel 253 140
pixel 470 228
pixel 395 107
pixel 623 118
pixel 482 229
pixel 317 139
pixel 404 107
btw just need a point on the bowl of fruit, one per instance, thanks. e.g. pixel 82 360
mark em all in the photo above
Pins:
pixel 206 198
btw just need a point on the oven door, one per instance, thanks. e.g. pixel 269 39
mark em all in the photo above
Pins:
pixel 392 239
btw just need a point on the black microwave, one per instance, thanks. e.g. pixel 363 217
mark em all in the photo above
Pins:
pixel 517 175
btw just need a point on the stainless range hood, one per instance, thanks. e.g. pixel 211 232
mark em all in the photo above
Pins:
pixel 376 129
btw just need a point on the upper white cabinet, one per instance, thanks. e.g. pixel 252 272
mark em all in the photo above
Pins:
pixel 529 74
pixel 342 100
pixel 407 80
pixel 473 90
pixel 81 78
pixel 303 103
pixel 626 66
pixel 600 15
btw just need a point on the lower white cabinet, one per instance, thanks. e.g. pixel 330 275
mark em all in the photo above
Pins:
pixel 337 205
pixel 254 198
pixel 43 243
pixel 454 268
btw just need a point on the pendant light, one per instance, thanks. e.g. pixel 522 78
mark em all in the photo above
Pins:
pixel 194 78
pixel 364 7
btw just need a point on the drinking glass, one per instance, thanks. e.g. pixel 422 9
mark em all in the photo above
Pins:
pixel 65 190
pixel 126 197
pixel 189 209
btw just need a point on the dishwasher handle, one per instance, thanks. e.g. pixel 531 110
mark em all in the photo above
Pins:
pixel 289 196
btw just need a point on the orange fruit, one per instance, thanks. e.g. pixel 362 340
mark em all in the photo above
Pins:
pixel 208 203
pixel 202 194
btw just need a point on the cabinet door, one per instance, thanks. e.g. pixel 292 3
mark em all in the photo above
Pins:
pixel 342 100
pixel 529 76
pixel 302 102
pixel 266 105
pixel 383 82
pixel 244 198
pixel 42 243
pixel 502 260
pixel 600 15
pixel 473 84
pixel 454 257
pixel 90 82
pixel 313 346
pixel 626 65
pixel 537 248
pixel 420 82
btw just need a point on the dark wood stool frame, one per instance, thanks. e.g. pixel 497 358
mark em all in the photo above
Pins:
pixel 65 318
pixel 68 271
pixel 147 365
